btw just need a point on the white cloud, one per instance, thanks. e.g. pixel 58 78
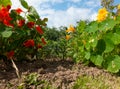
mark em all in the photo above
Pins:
pixel 69 16
pixel 93 3
pixel 59 18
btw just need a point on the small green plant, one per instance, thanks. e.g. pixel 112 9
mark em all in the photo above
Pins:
pixel 31 80
pixel 89 82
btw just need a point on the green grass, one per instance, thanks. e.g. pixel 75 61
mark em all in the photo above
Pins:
pixel 89 82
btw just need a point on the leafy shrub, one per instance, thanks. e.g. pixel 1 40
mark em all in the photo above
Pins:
pixel 20 35
pixel 98 42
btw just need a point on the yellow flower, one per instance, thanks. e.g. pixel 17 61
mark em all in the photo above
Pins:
pixel 67 37
pixel 118 7
pixel 102 14
pixel 70 29
pixel 114 17
pixel 103 11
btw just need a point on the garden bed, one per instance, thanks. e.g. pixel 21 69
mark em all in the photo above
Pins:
pixel 57 74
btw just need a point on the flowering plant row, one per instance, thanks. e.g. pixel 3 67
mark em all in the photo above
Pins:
pixel 98 42
pixel 21 32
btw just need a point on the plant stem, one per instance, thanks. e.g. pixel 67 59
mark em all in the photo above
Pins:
pixel 14 66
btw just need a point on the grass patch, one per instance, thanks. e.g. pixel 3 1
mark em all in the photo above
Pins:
pixel 89 82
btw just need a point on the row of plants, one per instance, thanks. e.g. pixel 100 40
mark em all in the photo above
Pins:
pixel 56 43
pixel 23 33
pixel 97 42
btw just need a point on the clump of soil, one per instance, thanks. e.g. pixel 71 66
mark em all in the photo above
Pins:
pixel 60 74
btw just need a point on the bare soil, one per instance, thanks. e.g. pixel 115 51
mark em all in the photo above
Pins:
pixel 61 74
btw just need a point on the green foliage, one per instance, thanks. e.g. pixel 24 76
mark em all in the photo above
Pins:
pixel 33 12
pixel 5 3
pixel 97 42
pixel 56 43
pixel 24 4
pixel 32 79
pixel 89 82
pixel 7 33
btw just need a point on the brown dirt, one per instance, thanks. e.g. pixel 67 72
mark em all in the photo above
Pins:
pixel 61 74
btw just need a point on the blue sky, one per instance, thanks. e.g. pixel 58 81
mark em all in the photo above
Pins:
pixel 64 12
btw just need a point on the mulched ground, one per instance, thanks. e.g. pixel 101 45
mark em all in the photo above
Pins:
pixel 61 74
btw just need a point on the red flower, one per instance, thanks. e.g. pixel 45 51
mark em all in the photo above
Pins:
pixel 7 23
pixel 5 16
pixel 30 24
pixel 29 43
pixel 38 28
pixel 10 54
pixel 21 23
pixel 39 46
pixel 43 41
pixel 18 10
pixel 8 7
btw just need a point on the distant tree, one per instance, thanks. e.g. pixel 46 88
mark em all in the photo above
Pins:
pixel 108 4
pixel 52 34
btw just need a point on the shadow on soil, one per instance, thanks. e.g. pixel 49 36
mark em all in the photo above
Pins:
pixel 7 72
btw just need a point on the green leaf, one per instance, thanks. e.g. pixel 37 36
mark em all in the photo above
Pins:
pixel 109 45
pixel 87 55
pixel 115 38
pixel 118 19
pixel 100 48
pixel 6 34
pixel 24 4
pixel 33 12
pixel 5 2
pixel 113 63
pixel 111 23
pixel 81 26
pixel 93 40
pixel 107 24
pixel 30 17
pixel 45 20
pixel 97 60
pixel 87 46
pixel 92 27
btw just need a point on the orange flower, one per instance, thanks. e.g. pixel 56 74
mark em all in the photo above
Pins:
pixel 19 10
pixel 70 29
pixel 67 37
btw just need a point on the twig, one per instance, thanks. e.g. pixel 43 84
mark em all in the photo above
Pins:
pixel 14 66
